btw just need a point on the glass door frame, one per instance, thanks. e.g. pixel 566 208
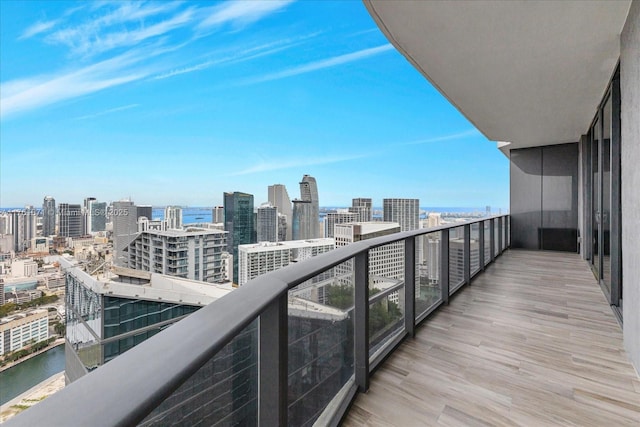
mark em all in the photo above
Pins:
pixel 613 289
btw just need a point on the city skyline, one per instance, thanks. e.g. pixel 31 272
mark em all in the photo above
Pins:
pixel 177 103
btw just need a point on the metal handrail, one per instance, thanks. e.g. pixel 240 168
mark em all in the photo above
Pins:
pixel 125 390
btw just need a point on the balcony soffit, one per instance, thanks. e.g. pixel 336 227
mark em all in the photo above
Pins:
pixel 531 73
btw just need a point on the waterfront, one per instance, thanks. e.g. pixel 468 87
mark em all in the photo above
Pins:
pixel 25 375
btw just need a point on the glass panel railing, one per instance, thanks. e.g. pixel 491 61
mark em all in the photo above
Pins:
pixel 487 242
pixel 386 287
pixel 456 258
pixel 321 342
pixel 475 248
pixel 428 290
pixel 224 391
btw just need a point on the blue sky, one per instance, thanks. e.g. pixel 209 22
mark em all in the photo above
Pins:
pixel 177 102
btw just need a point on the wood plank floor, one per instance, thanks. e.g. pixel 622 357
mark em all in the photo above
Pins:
pixel 532 342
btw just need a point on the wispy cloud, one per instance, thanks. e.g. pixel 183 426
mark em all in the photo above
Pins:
pixel 241 12
pixel 29 94
pixel 109 111
pixel 112 30
pixel 239 55
pixel 458 135
pixel 319 65
pixel 38 28
pixel 267 166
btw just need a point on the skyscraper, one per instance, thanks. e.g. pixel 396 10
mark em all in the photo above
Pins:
pixel 267 223
pixel 48 216
pixel 279 198
pixel 405 212
pixel 238 217
pixel 173 217
pixel 22 226
pixel 124 217
pixel 97 216
pixel 303 224
pixel 70 220
pixel 363 208
pixel 309 192
pixel 86 215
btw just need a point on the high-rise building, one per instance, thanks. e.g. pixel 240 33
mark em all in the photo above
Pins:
pixel 309 193
pixel 260 258
pixel 363 208
pixel 386 263
pixel 124 218
pixel 86 215
pixel 456 259
pixel 70 220
pixel 191 253
pixel 333 218
pixel 279 198
pixel 405 212
pixel 48 216
pixel 173 217
pixel 22 227
pixel 267 223
pixel 303 223
pixel 217 214
pixel 238 217
pixel 97 216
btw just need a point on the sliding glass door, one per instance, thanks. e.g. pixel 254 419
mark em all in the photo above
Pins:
pixel 603 159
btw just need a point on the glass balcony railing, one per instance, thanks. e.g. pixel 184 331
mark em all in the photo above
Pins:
pixel 291 347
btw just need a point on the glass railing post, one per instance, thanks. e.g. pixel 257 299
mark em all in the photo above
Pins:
pixel 272 366
pixel 361 321
pixel 444 265
pixel 481 238
pixel 467 254
pixel 410 285
pixel 507 232
pixel 492 239
pixel 500 225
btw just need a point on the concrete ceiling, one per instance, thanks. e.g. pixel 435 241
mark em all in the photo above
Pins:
pixel 525 72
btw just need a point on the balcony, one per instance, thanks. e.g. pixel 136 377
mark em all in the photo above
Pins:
pixel 531 342
pixel 494 342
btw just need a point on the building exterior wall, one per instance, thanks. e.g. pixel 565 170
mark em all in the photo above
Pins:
pixel 194 254
pixel 405 212
pixel 267 223
pixel 125 226
pixel 333 218
pixel 238 217
pixel 303 222
pixel 630 153
pixel 261 258
pixel 70 218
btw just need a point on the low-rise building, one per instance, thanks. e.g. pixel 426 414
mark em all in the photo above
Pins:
pixel 19 330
